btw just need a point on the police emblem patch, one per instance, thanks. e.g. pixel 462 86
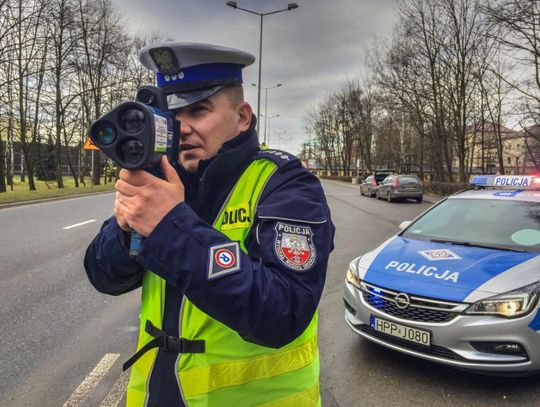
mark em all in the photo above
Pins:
pixel 223 259
pixel 294 246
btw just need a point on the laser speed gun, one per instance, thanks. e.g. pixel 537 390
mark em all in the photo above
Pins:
pixel 136 134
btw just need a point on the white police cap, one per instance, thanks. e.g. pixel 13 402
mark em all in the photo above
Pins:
pixel 189 72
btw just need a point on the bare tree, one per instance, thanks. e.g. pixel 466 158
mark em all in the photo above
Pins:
pixel 29 55
pixel 469 51
pixel 104 46
pixel 64 39
pixel 516 25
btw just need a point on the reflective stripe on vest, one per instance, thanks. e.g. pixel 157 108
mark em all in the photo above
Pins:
pixel 152 306
pixel 231 371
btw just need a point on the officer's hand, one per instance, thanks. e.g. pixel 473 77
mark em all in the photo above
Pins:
pixel 143 200
pixel 119 214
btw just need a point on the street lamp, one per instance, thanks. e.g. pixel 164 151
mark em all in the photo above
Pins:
pixel 290 7
pixel 270 118
pixel 280 135
pixel 266 106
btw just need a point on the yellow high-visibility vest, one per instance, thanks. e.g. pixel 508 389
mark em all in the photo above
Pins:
pixel 231 371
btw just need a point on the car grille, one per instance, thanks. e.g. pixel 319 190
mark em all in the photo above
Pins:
pixel 420 309
pixel 433 350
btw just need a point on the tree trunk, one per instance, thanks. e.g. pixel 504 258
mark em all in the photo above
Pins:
pixel 2 167
pixel 97 168
pixel 10 160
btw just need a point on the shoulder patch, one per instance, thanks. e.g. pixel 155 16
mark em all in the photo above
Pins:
pixel 223 259
pixel 293 246
pixel 283 159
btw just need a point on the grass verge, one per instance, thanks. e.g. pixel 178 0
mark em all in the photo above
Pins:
pixel 49 189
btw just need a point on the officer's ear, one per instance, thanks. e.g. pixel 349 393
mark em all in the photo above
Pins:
pixel 245 113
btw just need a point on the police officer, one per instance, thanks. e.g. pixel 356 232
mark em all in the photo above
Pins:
pixel 236 250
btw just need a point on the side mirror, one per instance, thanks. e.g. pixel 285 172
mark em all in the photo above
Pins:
pixel 405 224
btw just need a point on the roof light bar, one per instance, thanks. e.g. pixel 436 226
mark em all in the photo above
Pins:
pixel 521 181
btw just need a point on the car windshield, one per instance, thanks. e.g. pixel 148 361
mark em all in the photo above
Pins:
pixel 486 222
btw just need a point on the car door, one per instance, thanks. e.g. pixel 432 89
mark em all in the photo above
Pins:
pixel 383 187
pixel 366 185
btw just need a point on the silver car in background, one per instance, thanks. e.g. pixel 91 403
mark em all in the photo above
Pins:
pixel 400 187
pixel 370 184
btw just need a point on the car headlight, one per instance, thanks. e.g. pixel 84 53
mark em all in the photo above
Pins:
pixel 512 304
pixel 352 277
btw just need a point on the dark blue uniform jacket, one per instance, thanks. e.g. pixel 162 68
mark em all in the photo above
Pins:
pixel 266 301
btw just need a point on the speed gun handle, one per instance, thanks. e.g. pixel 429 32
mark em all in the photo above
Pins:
pixel 137 240
pixel 136 244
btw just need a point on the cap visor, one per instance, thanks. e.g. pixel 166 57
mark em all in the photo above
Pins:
pixel 182 99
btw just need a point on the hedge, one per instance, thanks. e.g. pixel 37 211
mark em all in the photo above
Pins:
pixel 444 188
pixel 337 178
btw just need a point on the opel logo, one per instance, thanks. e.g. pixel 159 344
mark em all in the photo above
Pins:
pixel 402 300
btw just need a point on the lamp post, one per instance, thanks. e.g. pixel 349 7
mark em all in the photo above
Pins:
pixel 234 4
pixel 270 118
pixel 266 106
pixel 280 134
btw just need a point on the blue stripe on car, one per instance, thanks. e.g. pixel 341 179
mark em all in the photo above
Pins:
pixel 535 323
pixel 400 266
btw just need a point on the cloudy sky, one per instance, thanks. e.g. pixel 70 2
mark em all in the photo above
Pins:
pixel 310 50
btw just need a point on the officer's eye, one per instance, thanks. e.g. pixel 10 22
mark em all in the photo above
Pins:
pixel 198 109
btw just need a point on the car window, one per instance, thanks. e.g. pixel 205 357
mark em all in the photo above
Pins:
pixel 407 180
pixel 514 224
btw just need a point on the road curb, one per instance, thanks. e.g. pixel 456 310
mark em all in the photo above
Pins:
pixel 59 198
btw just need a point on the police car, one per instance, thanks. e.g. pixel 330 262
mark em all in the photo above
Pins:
pixel 460 284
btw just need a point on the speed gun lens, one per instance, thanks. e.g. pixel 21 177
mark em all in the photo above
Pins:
pixel 106 134
pixel 131 152
pixel 132 121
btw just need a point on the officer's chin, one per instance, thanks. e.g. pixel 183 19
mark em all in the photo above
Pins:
pixel 189 162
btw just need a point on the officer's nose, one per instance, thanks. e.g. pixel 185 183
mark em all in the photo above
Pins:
pixel 185 128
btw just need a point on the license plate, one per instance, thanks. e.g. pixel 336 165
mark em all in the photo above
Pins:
pixel 400 331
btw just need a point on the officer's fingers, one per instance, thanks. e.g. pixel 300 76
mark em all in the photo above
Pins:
pixel 121 218
pixel 119 198
pixel 134 177
pixel 170 173
pixel 125 188
pixel 123 200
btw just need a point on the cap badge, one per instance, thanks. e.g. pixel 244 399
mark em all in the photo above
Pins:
pixel 165 59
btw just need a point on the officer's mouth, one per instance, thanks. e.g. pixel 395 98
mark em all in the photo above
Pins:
pixel 188 147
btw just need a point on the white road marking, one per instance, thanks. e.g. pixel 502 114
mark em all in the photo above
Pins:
pixel 117 391
pixel 92 380
pixel 78 224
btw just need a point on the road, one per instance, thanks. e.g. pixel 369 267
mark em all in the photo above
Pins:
pixel 62 343
pixel 54 327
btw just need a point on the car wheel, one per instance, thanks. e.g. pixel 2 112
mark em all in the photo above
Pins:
pixel 388 197
pixel 419 200
pixel 371 194
pixel 377 195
